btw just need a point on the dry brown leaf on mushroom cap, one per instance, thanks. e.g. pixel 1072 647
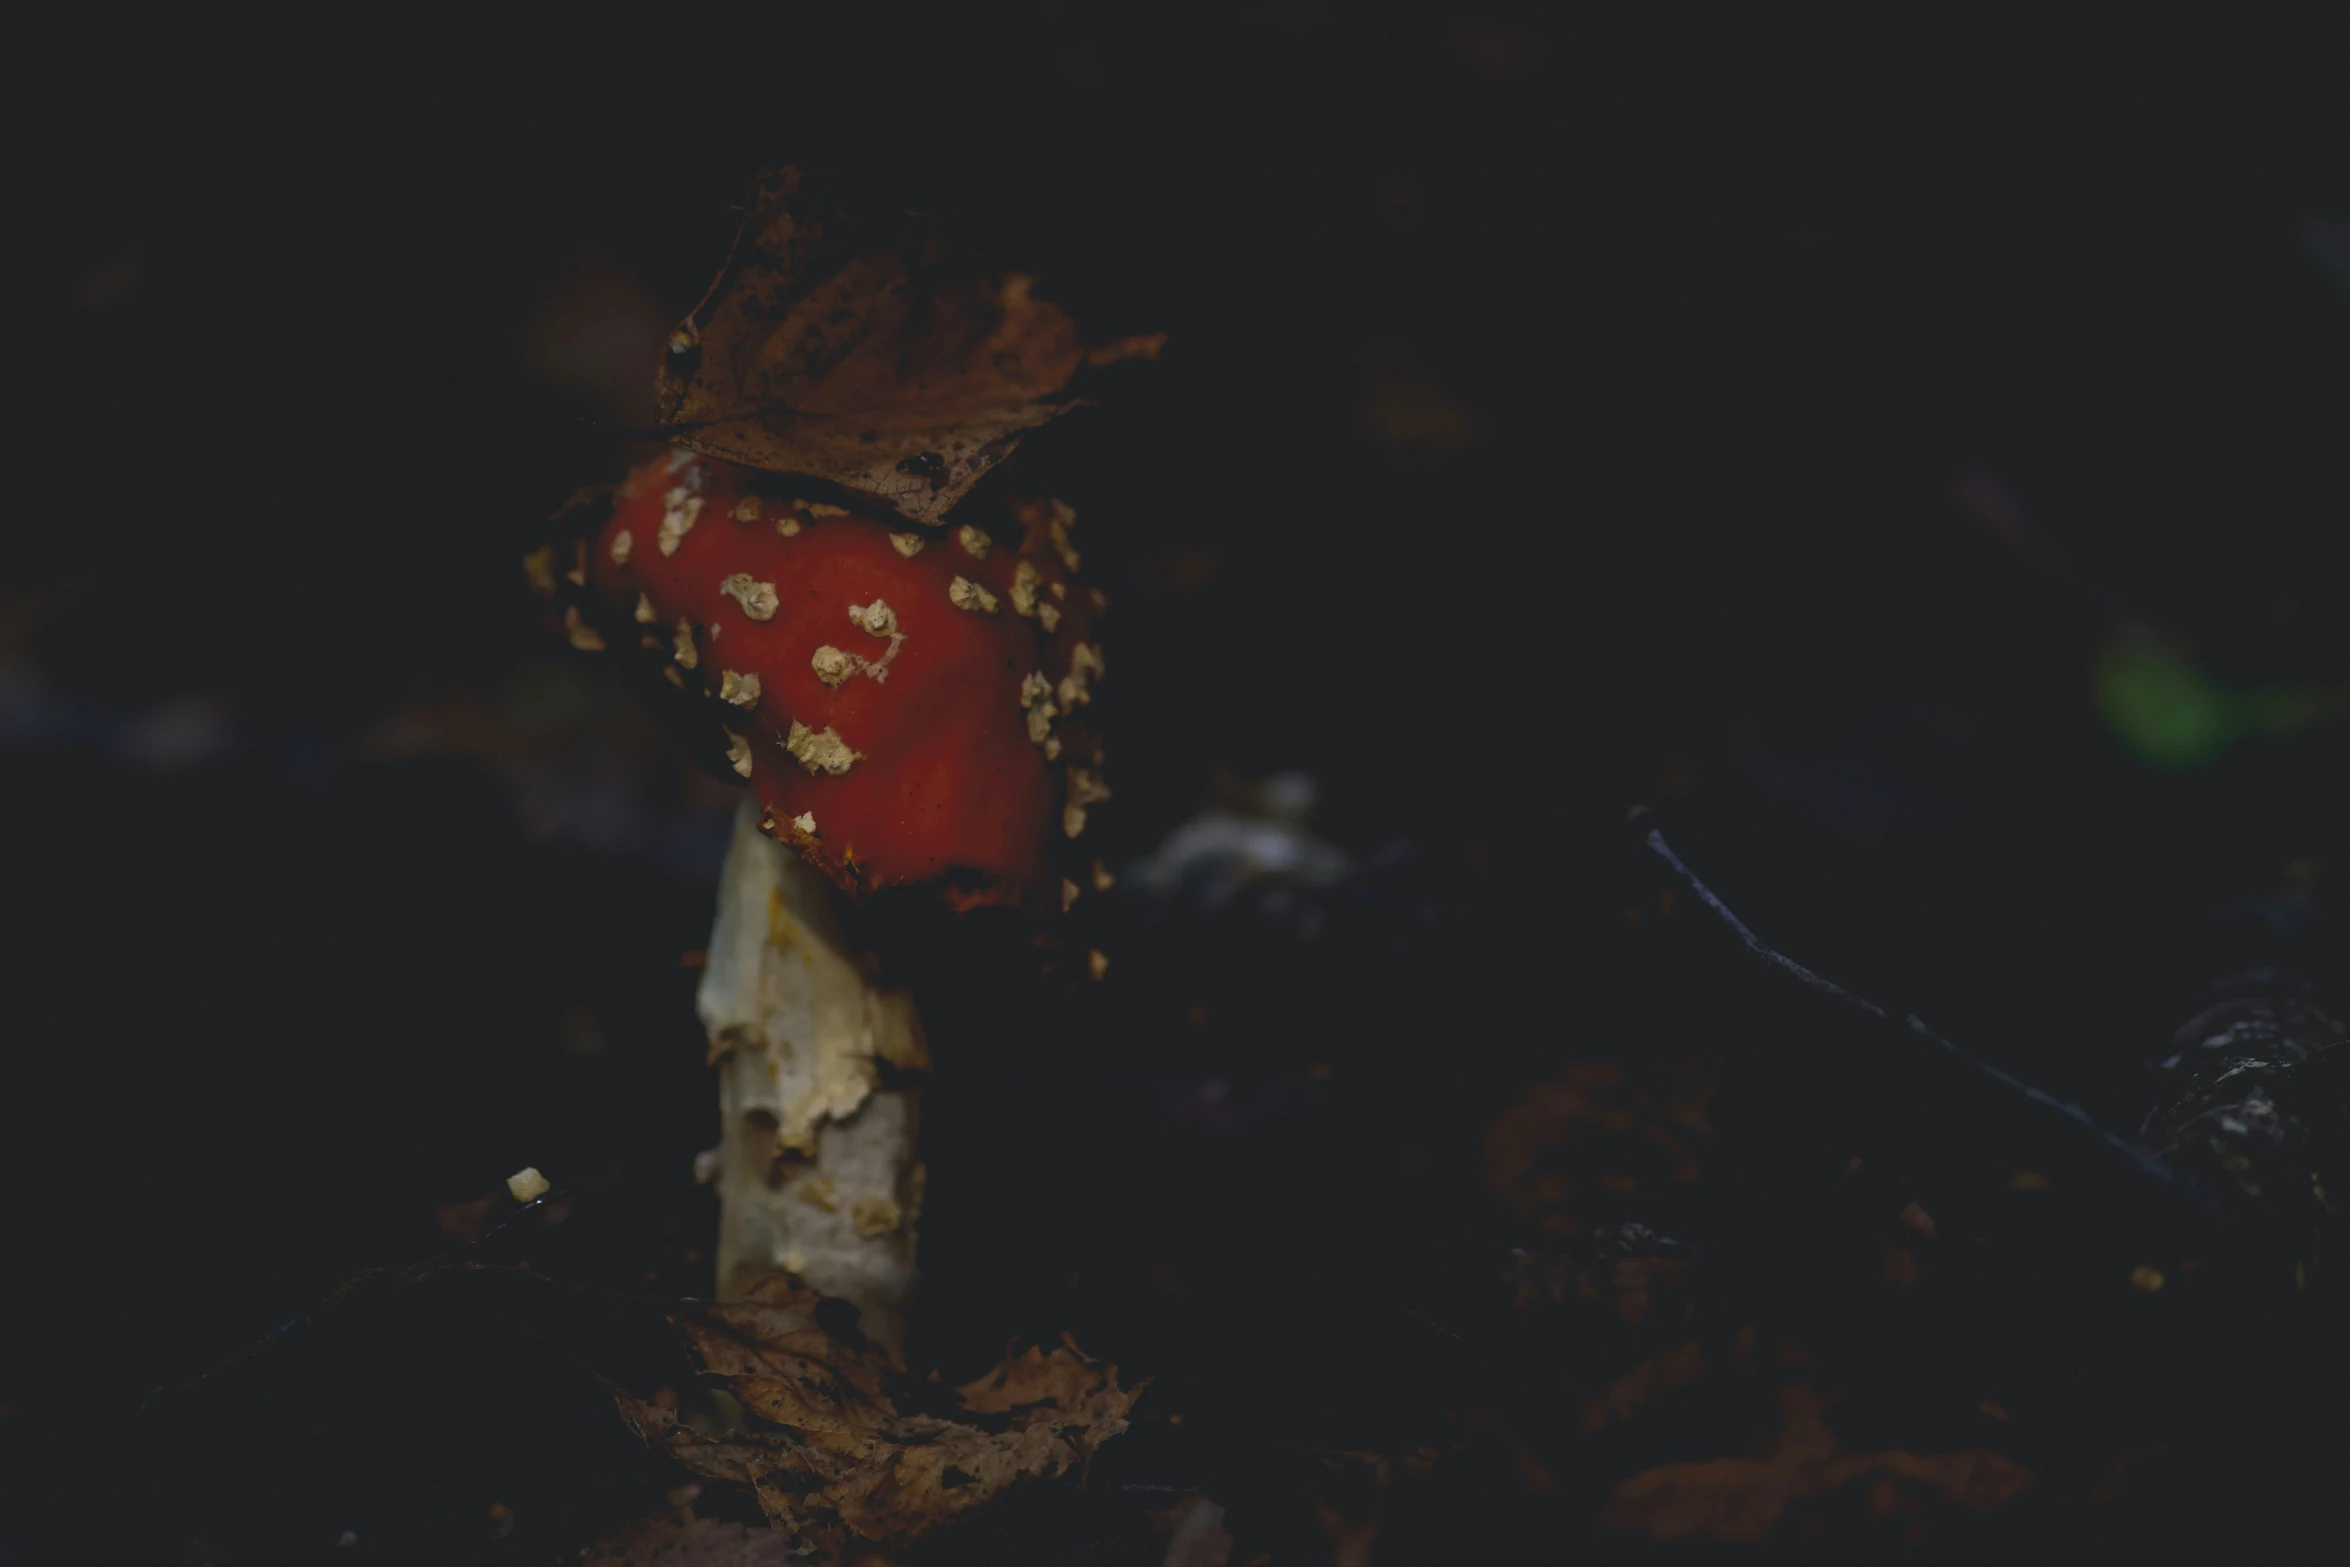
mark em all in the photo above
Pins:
pixel 836 1448
pixel 840 346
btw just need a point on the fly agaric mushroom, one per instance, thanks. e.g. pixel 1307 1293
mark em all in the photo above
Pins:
pixel 903 691
pixel 900 704
pixel 907 709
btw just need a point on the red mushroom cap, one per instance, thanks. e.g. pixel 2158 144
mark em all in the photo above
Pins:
pixel 897 697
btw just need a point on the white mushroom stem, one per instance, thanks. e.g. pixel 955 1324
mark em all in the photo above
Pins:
pixel 818 1174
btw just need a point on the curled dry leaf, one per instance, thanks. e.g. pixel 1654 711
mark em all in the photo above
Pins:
pixel 835 1447
pixel 839 346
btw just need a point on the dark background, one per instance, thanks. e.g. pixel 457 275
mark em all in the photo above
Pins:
pixel 1783 422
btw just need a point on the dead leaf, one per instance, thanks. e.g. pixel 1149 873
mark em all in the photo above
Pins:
pixel 1644 1384
pixel 836 1446
pixel 1744 1499
pixel 1636 1290
pixel 1599 1139
pixel 841 347
pixel 681 1540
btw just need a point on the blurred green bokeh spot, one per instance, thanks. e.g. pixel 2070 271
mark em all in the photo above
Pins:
pixel 2170 714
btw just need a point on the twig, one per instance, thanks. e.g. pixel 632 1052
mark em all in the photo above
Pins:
pixel 2145 1166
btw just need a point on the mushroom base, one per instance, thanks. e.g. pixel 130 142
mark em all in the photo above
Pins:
pixel 819 1092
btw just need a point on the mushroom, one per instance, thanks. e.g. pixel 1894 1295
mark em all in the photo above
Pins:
pixel 895 731
pixel 907 704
